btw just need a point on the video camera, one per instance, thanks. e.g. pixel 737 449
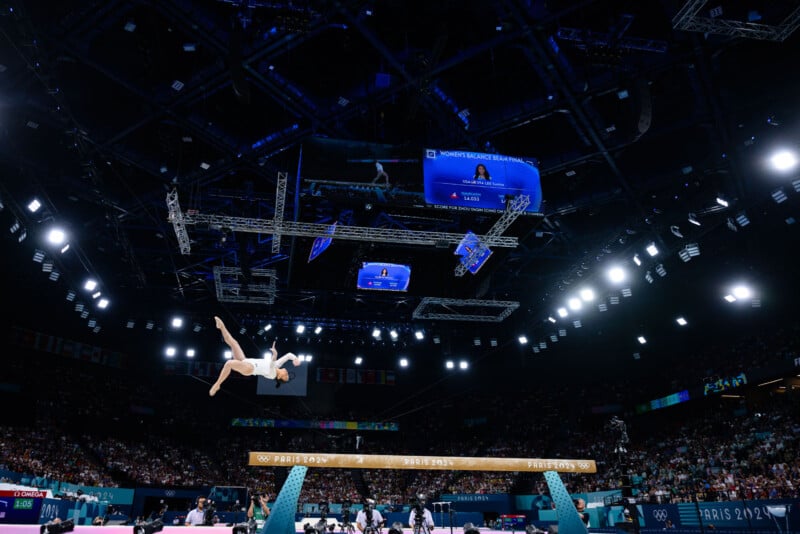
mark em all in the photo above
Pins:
pixel 346 504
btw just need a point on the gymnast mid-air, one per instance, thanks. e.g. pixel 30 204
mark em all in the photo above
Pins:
pixel 271 368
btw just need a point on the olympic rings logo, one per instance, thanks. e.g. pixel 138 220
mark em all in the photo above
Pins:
pixel 169 493
pixel 583 465
pixel 262 458
pixel 660 515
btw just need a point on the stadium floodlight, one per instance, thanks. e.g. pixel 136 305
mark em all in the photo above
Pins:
pixel 652 249
pixel 522 340
pixel 587 294
pixel 228 354
pixel 268 327
pixel 190 353
pixel 34 205
pixel 779 196
pixel 551 319
pixel 65 248
pixel 376 332
pixel 636 260
pixel 103 304
pixel 662 272
pixel 403 362
pixel 562 312
pixel 742 219
pixel 96 294
pixel 89 285
pixel 722 202
pixel 170 351
pixel 681 321
pixel 730 298
pixel 783 160
pixel 393 334
pixel 463 365
pixel 177 322
pixel 693 219
pixel 359 360
pixel 449 364
pixel 300 328
pixel 616 274
pixel 419 335
pixel 642 340
pixel 317 330
pixel 574 304
pixel 309 358
pixel 742 292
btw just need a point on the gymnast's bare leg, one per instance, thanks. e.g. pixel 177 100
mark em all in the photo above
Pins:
pixel 236 364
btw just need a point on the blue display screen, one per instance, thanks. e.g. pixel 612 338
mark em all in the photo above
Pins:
pixel 321 244
pixel 474 180
pixel 383 276
pixel 471 243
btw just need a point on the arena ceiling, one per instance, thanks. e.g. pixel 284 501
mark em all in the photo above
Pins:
pixel 109 106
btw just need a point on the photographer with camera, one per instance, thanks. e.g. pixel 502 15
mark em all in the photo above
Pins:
pixel 369 519
pixel 421 519
pixel 258 509
pixel 346 525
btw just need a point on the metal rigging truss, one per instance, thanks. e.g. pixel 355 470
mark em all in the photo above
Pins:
pixel 233 286
pixel 516 207
pixel 687 19
pixel 280 203
pixel 475 310
pixel 352 233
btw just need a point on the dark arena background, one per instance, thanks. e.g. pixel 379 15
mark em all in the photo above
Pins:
pixel 537 260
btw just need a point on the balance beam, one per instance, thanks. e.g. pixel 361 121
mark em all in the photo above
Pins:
pixel 449 463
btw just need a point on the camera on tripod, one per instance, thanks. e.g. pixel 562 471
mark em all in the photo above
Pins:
pixel 346 504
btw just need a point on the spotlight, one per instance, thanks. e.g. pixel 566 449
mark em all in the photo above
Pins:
pixel 693 219
pixel 359 360
pixel 602 307
pixel 149 325
pixel 730 298
pixel 722 202
pixel 574 304
pixel 317 330
pixel 56 236
pixel 449 364
pixel 662 272
pixel 648 277
pixel 170 351
pixel 616 274
pixel 562 312
pixel 403 362
pixel 463 365
pixel 436 339
pixel 393 334
pixel 71 295
pixel 783 160
pixel 522 340
pixel 14 227
pixel 587 294
pixel 681 321
pixel 130 324
pixel 96 294
pixel 577 323
pixel 779 196
pixel 652 249
pixel 683 254
pixel 65 248
pixel 636 260
pixel 742 219
pixel 177 322
pixel 227 354
pixel 309 357
pixel 376 332
pixel 476 341
pixel 493 342
pixel 268 327
pixel 102 304
pixel 190 353
pixel 642 340
pixel 90 285
pixel 419 335
pixel 551 319
pixel 34 205
pixel 742 292
pixel 300 329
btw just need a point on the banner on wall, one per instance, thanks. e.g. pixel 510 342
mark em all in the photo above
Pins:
pixel 60 346
pixel 479 502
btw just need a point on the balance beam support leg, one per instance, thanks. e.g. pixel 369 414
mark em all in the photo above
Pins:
pixel 569 521
pixel 281 517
